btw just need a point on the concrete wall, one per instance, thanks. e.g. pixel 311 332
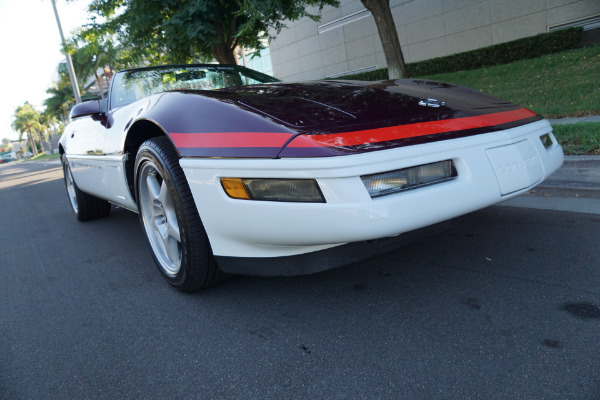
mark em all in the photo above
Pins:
pixel 426 28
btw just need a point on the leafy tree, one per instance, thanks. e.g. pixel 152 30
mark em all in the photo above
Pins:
pixel 6 144
pixel 188 30
pixel 389 37
pixel 61 97
pixel 54 125
pixel 90 52
pixel 93 50
pixel 28 120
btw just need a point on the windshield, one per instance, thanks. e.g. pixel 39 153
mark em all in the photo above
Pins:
pixel 132 85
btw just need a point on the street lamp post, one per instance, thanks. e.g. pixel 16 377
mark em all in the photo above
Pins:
pixel 68 57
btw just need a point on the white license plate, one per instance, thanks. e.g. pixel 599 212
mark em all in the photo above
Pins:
pixel 517 166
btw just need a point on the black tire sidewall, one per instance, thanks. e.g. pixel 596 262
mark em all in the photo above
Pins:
pixel 88 207
pixel 194 252
pixel 67 170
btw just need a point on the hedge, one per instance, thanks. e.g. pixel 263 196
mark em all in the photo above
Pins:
pixel 503 53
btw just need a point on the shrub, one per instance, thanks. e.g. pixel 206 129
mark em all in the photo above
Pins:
pixel 503 53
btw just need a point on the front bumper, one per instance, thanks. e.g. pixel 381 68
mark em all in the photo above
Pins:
pixel 491 168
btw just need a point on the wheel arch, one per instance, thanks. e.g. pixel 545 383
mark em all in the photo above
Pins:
pixel 140 131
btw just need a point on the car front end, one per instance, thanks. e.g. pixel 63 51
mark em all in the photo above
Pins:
pixel 365 196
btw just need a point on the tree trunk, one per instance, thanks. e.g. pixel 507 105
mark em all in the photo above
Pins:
pixel 389 37
pixel 243 54
pixel 99 83
pixel 32 144
pixel 223 54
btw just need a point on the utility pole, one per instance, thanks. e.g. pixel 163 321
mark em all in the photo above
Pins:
pixel 74 84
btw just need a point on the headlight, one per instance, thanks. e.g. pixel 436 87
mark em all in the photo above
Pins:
pixel 291 190
pixel 409 178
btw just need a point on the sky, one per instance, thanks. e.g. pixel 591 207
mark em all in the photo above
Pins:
pixel 30 51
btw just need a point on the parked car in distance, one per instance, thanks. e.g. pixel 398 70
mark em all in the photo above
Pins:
pixel 232 172
pixel 5 157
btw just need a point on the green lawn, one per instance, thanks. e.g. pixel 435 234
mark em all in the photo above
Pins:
pixel 44 156
pixel 559 85
pixel 555 86
pixel 581 138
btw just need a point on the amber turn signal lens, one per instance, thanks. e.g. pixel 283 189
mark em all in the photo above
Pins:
pixel 234 187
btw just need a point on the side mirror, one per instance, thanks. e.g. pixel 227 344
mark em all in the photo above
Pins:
pixel 92 107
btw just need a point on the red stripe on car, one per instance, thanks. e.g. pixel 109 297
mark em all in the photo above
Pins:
pixel 278 139
pixel 230 139
pixel 410 130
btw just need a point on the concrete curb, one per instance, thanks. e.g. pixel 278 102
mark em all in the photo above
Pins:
pixel 578 172
pixel 582 158
pixel 575 120
pixel 575 187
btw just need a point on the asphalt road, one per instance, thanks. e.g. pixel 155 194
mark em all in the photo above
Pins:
pixel 504 305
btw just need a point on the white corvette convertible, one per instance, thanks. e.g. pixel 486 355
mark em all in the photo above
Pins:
pixel 233 172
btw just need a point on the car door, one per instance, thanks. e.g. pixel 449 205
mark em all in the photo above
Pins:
pixel 97 161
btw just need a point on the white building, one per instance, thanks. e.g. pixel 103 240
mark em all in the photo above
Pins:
pixel 346 38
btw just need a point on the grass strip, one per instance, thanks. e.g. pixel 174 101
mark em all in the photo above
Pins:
pixel 580 138
pixel 560 85
pixel 44 156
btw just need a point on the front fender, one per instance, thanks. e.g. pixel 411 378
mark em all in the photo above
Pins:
pixel 200 126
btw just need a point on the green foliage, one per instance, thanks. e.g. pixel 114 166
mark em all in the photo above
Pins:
pixel 504 53
pixel 44 156
pixel 264 14
pixel 91 50
pixel 175 31
pixel 6 144
pixel 55 125
pixel 581 138
pixel 60 98
pixel 521 49
pixel 555 86
pixel 28 120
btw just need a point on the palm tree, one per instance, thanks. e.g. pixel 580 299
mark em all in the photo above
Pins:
pixel 54 125
pixel 61 97
pixel 28 120
pixel 92 51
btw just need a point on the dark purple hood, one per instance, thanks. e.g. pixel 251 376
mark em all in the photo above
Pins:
pixel 320 105
pixel 320 110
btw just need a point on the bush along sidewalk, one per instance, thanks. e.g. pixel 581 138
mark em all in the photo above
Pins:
pixel 503 53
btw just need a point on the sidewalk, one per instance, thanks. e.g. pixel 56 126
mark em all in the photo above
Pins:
pixel 592 118
pixel 574 187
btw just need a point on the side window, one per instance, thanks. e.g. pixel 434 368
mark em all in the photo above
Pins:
pixel 120 95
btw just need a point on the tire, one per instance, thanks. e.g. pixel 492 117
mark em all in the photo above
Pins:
pixel 85 207
pixel 170 220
